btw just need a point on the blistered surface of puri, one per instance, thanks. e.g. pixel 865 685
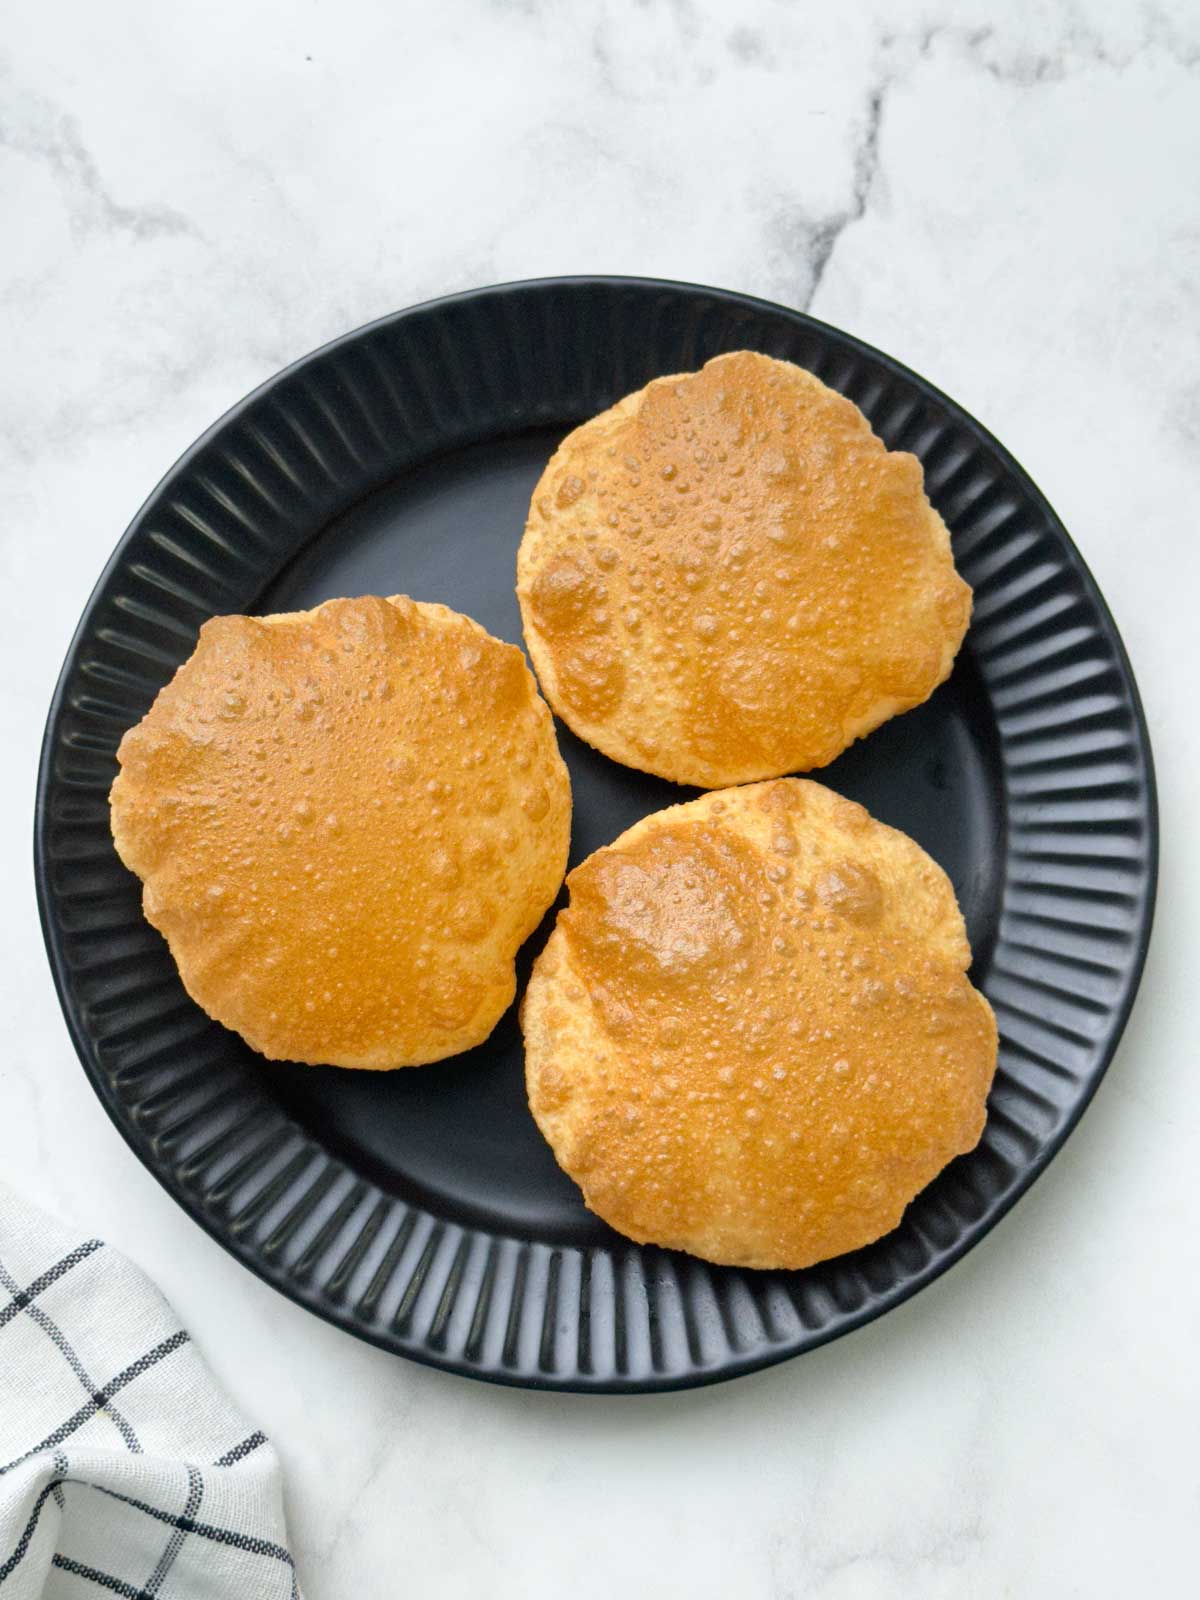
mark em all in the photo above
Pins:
pixel 727 576
pixel 346 821
pixel 751 1035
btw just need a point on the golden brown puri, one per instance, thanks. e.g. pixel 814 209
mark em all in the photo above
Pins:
pixel 728 577
pixel 750 1035
pixel 347 820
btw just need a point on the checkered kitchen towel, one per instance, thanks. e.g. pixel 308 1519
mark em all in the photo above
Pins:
pixel 123 1468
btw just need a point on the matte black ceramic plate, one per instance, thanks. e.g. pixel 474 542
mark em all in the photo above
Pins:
pixel 421 1209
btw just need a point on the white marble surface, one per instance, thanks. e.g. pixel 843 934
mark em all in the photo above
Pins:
pixel 1005 197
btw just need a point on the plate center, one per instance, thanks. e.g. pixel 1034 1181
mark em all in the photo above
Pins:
pixel 457 1137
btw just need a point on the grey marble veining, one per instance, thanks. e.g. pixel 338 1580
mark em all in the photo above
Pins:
pixel 1002 196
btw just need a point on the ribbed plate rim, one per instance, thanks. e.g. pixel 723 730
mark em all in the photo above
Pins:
pixel 574 1381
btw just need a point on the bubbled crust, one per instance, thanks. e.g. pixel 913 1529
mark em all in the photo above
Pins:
pixel 727 577
pixel 347 820
pixel 750 1035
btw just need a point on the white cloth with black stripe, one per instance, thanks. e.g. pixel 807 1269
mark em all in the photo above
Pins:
pixel 123 1468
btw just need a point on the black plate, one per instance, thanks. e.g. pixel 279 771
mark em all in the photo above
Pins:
pixel 421 1209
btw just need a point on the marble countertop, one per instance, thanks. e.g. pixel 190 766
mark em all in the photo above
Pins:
pixel 1002 197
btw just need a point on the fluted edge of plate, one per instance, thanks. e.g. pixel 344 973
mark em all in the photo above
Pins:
pixel 1077 899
